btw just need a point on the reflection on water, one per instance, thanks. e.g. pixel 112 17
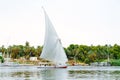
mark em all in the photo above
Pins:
pixel 95 75
pixel 32 74
pixel 71 73
pixel 54 74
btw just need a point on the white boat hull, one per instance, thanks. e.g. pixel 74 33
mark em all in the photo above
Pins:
pixel 52 67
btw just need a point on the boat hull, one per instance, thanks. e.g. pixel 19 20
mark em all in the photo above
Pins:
pixel 60 66
pixel 52 67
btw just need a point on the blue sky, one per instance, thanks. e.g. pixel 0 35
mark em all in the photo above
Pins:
pixel 76 21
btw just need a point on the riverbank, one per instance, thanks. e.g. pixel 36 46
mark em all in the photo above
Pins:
pixel 113 62
pixel 36 63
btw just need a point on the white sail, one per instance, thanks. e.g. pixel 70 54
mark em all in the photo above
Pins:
pixel 52 49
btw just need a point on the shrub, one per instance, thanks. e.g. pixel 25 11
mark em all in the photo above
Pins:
pixel 115 62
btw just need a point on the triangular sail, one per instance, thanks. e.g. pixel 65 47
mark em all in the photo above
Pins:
pixel 52 49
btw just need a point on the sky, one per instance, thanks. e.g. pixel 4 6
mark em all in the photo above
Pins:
pixel 84 22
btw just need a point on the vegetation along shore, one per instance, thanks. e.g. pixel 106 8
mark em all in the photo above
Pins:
pixel 81 54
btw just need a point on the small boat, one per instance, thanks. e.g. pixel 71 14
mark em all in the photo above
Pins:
pixel 52 49
pixel 9 64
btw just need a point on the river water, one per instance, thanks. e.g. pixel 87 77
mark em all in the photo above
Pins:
pixel 70 73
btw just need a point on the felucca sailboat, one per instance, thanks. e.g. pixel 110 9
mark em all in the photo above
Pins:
pixel 52 49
